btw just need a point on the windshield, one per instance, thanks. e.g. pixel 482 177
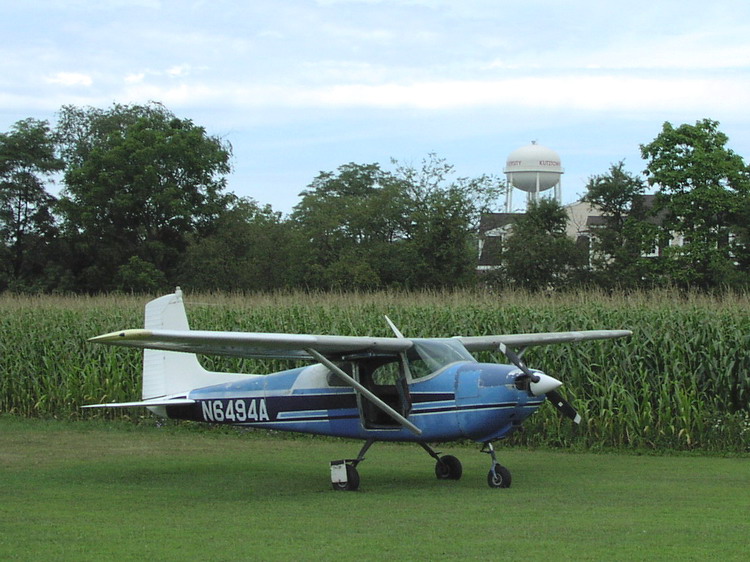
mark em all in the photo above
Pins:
pixel 427 356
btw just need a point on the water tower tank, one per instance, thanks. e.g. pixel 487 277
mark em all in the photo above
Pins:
pixel 533 168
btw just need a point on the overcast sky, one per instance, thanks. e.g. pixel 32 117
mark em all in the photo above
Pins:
pixel 303 86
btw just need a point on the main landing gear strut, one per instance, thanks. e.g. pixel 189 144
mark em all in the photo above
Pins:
pixel 447 467
pixel 344 475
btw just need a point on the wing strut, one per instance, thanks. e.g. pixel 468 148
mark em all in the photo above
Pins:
pixel 366 393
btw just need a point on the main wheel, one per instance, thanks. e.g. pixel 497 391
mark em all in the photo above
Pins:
pixel 448 468
pixel 352 483
pixel 499 477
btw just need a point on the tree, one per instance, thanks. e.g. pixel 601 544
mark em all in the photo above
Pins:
pixel 740 244
pixel 618 245
pixel 251 249
pixel 139 182
pixel 442 241
pixel 442 220
pixel 369 228
pixel 27 226
pixel 702 186
pixel 352 222
pixel 538 254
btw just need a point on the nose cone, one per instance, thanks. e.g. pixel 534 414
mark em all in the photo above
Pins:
pixel 546 384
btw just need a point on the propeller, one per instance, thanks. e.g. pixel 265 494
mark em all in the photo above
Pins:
pixel 563 406
pixel 516 360
pixel 539 383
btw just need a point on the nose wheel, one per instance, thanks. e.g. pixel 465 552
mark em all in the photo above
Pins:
pixel 498 476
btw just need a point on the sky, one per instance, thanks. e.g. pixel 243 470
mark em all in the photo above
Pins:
pixel 303 86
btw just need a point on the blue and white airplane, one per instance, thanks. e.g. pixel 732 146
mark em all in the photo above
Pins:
pixel 370 388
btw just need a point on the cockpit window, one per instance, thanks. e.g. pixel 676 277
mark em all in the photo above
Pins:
pixel 427 356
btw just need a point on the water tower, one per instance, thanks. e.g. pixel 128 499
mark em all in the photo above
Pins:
pixel 533 169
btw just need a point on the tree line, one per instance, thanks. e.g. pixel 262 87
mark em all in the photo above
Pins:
pixel 143 206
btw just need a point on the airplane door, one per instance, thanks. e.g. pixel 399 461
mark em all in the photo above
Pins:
pixel 386 379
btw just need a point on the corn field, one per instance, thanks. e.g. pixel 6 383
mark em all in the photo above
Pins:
pixel 681 382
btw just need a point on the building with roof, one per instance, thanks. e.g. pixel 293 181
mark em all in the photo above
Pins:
pixel 583 221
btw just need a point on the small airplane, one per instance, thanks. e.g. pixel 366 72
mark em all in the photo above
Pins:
pixel 421 390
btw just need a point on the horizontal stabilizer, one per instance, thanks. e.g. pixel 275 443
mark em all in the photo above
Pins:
pixel 144 403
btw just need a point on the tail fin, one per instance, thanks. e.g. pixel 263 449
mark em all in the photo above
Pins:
pixel 166 373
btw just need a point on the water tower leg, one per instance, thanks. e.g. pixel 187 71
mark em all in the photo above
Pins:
pixel 531 197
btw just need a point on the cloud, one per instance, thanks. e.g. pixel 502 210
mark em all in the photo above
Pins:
pixel 70 79
pixel 179 70
pixel 135 78
pixel 574 91
pixel 413 55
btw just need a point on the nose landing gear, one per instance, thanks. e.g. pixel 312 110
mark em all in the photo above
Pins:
pixel 498 476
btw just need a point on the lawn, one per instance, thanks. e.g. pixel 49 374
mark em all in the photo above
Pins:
pixel 93 491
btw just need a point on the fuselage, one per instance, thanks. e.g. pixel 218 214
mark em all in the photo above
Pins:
pixel 463 400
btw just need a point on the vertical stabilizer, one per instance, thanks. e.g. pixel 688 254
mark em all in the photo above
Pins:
pixel 167 373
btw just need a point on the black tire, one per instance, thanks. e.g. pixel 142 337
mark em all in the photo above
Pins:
pixel 352 484
pixel 448 468
pixel 499 477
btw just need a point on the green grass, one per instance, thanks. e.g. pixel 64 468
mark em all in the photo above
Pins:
pixel 93 491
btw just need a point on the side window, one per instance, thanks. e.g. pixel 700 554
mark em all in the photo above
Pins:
pixel 334 380
pixel 387 374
